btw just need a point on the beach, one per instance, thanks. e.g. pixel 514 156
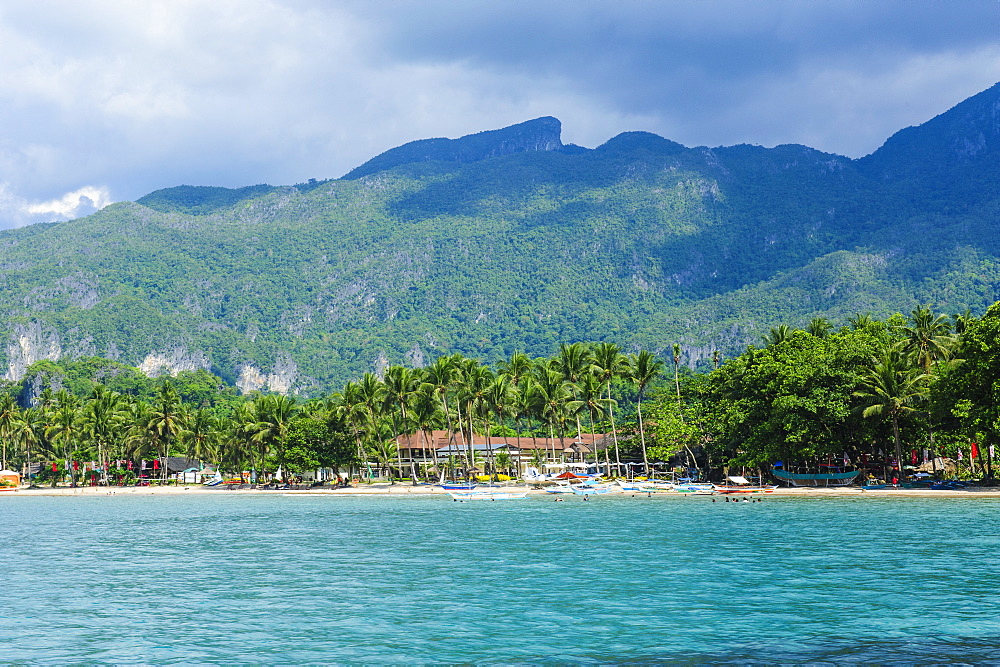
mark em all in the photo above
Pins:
pixel 401 489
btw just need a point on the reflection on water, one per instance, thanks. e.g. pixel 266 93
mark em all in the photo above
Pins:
pixel 617 579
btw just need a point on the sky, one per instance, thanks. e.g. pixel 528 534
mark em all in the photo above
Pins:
pixel 108 100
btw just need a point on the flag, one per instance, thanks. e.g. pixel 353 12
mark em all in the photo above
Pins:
pixel 142 464
pixel 975 451
pixel 913 457
pixel 959 453
pixel 76 465
pixel 925 456
pixel 156 464
pixel 55 468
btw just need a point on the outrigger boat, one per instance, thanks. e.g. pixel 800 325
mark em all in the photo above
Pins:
pixel 834 477
pixel 740 484
pixel 696 488
pixel 458 486
pixel 488 495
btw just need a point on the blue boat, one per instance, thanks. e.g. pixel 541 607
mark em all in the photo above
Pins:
pixel 458 486
pixel 817 478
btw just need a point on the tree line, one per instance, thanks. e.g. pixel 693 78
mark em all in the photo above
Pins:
pixel 872 390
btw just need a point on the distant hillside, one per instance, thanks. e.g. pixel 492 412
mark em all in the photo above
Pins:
pixel 508 240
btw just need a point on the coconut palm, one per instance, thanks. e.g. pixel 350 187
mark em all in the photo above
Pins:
pixel 497 404
pixel 400 383
pixel 166 423
pixel 9 415
pixel 574 361
pixel 890 388
pixel 272 415
pixel 778 334
pixel 819 327
pixel 610 364
pixel 644 368
pixel 928 338
pixel 104 422
pixel 427 416
pixel 595 405
pixel 65 427
pixel 441 374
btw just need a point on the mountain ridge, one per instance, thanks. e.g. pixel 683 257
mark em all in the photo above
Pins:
pixel 456 247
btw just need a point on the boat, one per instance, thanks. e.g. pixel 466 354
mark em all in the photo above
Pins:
pixel 560 487
pixel 835 477
pixel 488 495
pixel 594 489
pixel 695 488
pixel 458 486
pixel 739 484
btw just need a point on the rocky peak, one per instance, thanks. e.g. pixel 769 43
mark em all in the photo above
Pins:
pixel 540 134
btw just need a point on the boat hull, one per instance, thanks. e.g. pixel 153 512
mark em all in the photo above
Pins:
pixel 745 489
pixel 487 495
pixel 816 479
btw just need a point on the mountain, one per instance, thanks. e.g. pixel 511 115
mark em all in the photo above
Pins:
pixel 510 240
pixel 540 134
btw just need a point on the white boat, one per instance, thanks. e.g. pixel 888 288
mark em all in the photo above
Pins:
pixel 656 486
pixel 595 489
pixel 696 488
pixel 488 495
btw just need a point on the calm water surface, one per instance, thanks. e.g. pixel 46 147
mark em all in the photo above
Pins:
pixel 154 579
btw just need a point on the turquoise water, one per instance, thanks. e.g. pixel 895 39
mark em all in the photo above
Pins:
pixel 280 579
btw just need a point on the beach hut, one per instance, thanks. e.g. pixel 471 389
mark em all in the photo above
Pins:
pixel 9 479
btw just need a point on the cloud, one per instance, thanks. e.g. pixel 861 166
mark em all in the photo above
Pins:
pixel 140 96
pixel 82 201
pixel 71 205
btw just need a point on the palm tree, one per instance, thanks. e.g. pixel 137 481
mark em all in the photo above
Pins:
pixel 475 388
pixel 861 321
pixel 166 423
pixel 426 413
pixel 574 361
pixel 103 423
pixel 644 368
pixel 929 338
pixel 497 404
pixel 517 369
pixel 9 415
pixel 677 366
pixel 819 327
pixel 273 414
pixel 595 405
pixel 25 433
pixel 554 400
pixel 441 374
pixel 889 388
pixel 371 395
pixel 202 436
pixel 778 334
pixel 400 383
pixel 64 426
pixel 610 364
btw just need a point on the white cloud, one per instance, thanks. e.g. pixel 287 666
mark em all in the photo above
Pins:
pixel 71 205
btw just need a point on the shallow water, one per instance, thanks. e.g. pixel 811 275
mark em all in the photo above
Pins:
pixel 218 578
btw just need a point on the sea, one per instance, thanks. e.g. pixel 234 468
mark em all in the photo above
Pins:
pixel 279 579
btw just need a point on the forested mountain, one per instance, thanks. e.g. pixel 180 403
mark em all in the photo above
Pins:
pixel 509 240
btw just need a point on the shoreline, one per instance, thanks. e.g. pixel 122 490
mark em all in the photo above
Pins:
pixel 384 489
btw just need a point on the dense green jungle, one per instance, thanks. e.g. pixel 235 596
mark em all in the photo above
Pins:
pixel 882 394
pixel 510 241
